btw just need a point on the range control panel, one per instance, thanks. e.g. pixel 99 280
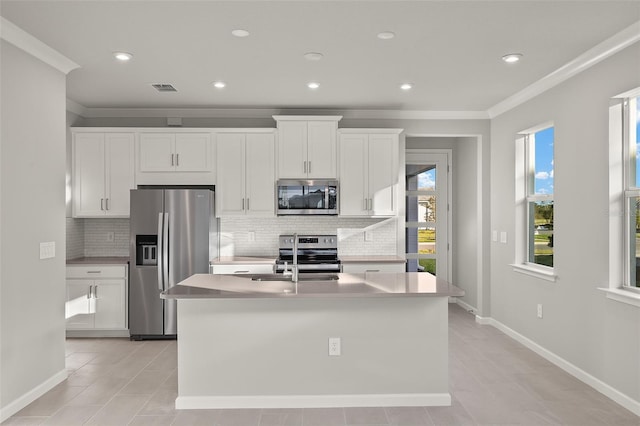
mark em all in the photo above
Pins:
pixel 310 241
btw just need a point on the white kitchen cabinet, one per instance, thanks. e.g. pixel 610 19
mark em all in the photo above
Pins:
pixel 103 173
pixel 364 267
pixel 96 298
pixel 368 172
pixel 243 268
pixel 174 152
pixel 246 174
pixel 307 146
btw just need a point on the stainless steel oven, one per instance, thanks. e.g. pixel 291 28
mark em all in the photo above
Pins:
pixel 316 253
pixel 307 197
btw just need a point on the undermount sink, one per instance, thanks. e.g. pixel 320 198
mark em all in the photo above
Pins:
pixel 301 277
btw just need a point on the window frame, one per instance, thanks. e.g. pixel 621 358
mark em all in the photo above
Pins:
pixel 525 194
pixel 629 190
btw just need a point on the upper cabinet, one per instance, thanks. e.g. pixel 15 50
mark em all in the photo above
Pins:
pixel 246 173
pixel 103 173
pixel 307 146
pixel 175 158
pixel 369 172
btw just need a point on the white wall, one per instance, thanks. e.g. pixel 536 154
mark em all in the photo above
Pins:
pixel 598 335
pixel 32 196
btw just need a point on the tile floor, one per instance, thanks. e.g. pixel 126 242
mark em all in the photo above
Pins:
pixel 494 381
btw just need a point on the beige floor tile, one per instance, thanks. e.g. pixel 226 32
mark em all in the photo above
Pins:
pixel 146 382
pixel 281 417
pixel 408 416
pixel 25 421
pixel 162 402
pixel 165 420
pixel 73 415
pixel 52 401
pixel 365 416
pixel 323 417
pixel 119 411
pixel 196 418
pixel 100 392
pixel 453 415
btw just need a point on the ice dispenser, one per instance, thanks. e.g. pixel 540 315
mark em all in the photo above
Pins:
pixel 146 250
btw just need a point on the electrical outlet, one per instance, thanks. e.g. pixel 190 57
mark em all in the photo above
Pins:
pixel 539 310
pixel 494 236
pixel 252 236
pixel 111 236
pixel 334 346
pixel 503 237
pixel 368 236
pixel 47 250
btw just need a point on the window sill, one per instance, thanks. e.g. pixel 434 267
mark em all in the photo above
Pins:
pixel 622 295
pixel 544 274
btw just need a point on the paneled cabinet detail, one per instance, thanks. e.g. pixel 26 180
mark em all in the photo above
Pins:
pixel 369 172
pixel 103 174
pixel 307 146
pixel 246 174
pixel 96 298
pixel 175 152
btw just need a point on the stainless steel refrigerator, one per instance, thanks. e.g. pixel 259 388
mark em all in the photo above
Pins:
pixel 173 236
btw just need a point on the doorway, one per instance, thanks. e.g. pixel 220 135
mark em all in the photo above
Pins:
pixel 428 212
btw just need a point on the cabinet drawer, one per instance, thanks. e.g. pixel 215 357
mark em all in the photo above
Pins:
pixel 266 268
pixel 361 268
pixel 97 271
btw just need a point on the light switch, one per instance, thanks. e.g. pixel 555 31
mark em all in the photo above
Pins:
pixel 368 236
pixel 47 250
pixel 252 236
pixel 503 237
pixel 494 236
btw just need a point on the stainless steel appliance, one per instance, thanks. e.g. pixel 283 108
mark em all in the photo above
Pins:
pixel 173 236
pixel 316 253
pixel 314 197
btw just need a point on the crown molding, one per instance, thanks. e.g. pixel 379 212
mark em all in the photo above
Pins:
pixel 591 57
pixel 270 113
pixel 25 41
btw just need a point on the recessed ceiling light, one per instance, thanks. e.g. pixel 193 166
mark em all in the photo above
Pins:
pixel 240 33
pixel 313 85
pixel 313 56
pixel 219 84
pixel 123 56
pixel 386 35
pixel 512 58
pixel 406 86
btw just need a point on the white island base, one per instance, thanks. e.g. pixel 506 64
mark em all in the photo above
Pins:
pixel 273 352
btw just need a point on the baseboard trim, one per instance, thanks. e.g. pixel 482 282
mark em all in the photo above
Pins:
pixel 35 393
pixel 97 333
pixel 602 387
pixel 314 401
pixel 464 305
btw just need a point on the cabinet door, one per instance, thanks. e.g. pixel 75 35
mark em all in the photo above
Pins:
pixel 292 149
pixel 110 304
pixel 353 171
pixel 88 175
pixel 230 183
pixel 77 307
pixel 383 174
pixel 192 152
pixel 321 149
pixel 157 152
pixel 119 166
pixel 260 174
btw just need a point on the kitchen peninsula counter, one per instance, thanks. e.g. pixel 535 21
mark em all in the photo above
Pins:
pixel 265 344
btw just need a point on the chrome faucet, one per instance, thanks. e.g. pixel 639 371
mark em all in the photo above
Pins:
pixel 294 267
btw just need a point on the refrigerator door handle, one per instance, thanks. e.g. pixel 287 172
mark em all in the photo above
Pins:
pixel 165 252
pixel 160 247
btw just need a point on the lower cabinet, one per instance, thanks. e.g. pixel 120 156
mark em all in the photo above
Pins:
pixel 264 268
pixel 96 299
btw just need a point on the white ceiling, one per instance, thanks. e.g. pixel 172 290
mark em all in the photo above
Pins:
pixel 450 50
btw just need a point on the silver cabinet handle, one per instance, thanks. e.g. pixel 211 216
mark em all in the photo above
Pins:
pixel 90 292
pixel 304 166
pixel 243 204
pixel 248 208
pixel 95 291
pixel 172 160
pixel 160 258
pixel 240 272
pixel 106 203
pixel 372 270
pixel 93 272
pixel 370 203
pixel 366 206
pixel 177 159
pixel 309 167
pixel 101 203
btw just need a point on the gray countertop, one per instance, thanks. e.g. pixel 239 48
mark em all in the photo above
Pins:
pixel 375 284
pixel 112 260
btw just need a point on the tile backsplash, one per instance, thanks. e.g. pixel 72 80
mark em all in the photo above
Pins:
pixel 91 237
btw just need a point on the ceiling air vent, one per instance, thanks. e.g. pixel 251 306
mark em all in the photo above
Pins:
pixel 164 87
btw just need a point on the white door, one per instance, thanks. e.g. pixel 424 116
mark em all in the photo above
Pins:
pixel 383 174
pixel 353 171
pixel 157 152
pixel 119 148
pixel 292 149
pixel 89 175
pixel 110 304
pixel 321 149
pixel 428 212
pixel 192 152
pixel 260 174
pixel 230 166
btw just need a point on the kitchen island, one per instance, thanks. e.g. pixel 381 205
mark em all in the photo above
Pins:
pixel 244 343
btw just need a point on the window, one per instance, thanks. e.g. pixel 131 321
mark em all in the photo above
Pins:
pixel 534 202
pixel 631 178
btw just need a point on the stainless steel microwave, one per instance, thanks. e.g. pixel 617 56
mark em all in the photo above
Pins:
pixel 307 197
